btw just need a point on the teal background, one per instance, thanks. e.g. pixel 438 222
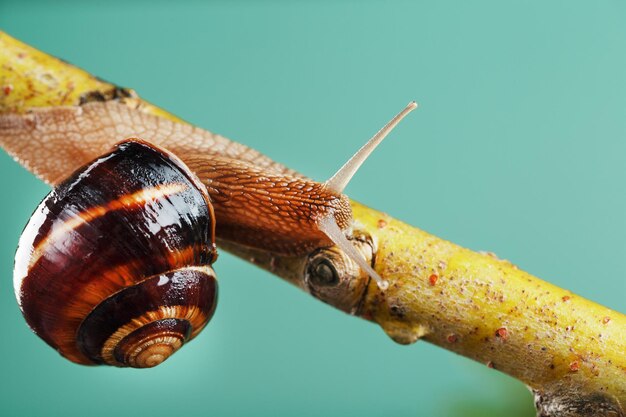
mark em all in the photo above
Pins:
pixel 519 147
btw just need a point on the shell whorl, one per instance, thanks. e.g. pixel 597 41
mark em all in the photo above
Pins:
pixel 114 266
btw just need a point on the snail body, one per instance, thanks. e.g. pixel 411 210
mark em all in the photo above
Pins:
pixel 258 202
pixel 274 212
pixel 114 267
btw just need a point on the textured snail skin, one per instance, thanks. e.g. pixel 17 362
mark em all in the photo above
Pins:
pixel 114 266
pixel 263 210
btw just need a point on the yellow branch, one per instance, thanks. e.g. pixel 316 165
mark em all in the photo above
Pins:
pixel 30 78
pixel 570 351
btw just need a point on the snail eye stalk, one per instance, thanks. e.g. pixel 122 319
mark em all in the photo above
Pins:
pixel 338 182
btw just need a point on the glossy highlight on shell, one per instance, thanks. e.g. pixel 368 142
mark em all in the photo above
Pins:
pixel 114 266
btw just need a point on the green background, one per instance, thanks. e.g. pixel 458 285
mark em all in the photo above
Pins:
pixel 519 147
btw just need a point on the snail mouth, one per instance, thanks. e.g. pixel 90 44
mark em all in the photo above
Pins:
pixel 153 343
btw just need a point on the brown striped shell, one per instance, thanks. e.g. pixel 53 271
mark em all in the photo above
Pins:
pixel 114 267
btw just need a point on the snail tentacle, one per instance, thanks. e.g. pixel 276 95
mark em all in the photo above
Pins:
pixel 338 182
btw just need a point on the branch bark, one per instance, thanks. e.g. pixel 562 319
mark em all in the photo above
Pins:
pixel 570 351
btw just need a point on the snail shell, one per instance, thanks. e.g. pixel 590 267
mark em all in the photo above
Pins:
pixel 114 266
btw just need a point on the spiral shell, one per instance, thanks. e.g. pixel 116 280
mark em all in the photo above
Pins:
pixel 114 266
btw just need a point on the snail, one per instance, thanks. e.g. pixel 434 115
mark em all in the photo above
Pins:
pixel 82 277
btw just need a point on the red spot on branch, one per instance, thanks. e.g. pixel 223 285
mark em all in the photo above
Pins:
pixel 382 224
pixel 574 366
pixel 452 338
pixel 432 280
pixel 502 333
pixel 7 89
pixel 566 298
pixel 606 320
